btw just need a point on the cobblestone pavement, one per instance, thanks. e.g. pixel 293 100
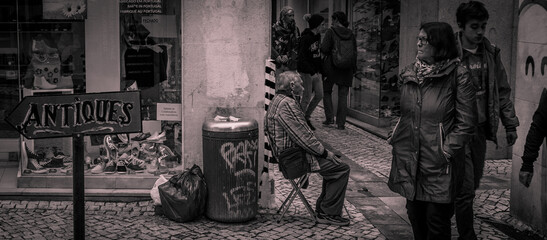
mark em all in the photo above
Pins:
pixel 374 154
pixel 137 220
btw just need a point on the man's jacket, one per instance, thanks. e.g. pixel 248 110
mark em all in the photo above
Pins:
pixel 536 134
pixel 499 102
pixel 286 126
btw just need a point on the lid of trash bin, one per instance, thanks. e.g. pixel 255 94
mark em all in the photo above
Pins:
pixel 244 124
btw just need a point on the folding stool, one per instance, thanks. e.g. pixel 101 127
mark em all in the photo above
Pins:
pixel 296 186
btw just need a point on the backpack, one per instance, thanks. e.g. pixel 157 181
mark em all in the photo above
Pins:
pixel 343 52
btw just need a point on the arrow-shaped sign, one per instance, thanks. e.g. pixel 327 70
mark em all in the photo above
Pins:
pixel 66 115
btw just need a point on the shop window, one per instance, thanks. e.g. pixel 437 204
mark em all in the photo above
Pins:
pixel 376 26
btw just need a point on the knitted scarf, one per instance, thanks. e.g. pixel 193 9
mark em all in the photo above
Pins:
pixel 424 69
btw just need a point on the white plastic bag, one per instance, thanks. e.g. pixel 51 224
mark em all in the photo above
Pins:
pixel 154 192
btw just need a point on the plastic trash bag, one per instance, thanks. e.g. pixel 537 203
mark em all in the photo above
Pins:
pixel 154 192
pixel 184 196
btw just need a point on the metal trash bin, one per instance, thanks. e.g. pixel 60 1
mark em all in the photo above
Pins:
pixel 230 166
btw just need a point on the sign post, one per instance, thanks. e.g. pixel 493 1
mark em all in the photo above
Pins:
pixel 78 193
pixel 77 115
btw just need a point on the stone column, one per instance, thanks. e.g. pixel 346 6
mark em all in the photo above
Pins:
pixel 530 204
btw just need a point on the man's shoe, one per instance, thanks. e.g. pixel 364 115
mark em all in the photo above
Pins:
pixel 99 168
pixel 332 219
pixel 310 125
pixel 340 127
pixel 33 164
pixel 141 136
pixel 328 122
pixel 110 167
pixel 111 149
pixel 120 167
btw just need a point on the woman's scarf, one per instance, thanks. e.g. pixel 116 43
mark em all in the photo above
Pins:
pixel 424 69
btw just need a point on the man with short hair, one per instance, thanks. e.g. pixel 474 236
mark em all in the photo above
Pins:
pixel 286 126
pixel 493 97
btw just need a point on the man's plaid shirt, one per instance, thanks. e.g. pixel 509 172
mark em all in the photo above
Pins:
pixel 286 127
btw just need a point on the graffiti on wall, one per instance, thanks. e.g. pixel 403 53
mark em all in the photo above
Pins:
pixel 244 153
pixel 241 157
pixel 531 64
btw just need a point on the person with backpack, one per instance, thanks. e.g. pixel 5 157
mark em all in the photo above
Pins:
pixel 309 65
pixel 340 49
pixel 486 71
pixel 428 142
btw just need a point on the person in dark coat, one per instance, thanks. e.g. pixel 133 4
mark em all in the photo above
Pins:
pixel 437 119
pixel 309 65
pixel 341 77
pixel 285 36
pixel 493 103
pixel 534 139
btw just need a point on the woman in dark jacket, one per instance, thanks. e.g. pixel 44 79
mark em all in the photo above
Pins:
pixel 341 77
pixel 437 119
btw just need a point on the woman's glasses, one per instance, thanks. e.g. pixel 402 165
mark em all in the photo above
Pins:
pixel 422 40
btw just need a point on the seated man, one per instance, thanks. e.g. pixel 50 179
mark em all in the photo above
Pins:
pixel 286 126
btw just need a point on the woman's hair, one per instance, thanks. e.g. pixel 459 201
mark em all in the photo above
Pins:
pixel 441 36
pixel 284 11
pixel 472 10
pixel 341 17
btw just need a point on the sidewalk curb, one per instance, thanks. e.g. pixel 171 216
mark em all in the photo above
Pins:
pixel 364 192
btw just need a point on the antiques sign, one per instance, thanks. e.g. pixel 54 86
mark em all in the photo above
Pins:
pixel 65 115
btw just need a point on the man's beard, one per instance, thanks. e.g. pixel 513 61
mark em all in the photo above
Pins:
pixel 290 24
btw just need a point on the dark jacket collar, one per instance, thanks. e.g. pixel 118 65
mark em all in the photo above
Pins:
pixel 485 44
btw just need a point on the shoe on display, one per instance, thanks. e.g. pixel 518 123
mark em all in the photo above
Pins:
pixel 31 154
pixel 55 162
pixel 125 156
pixel 110 167
pixel 99 168
pixel 157 137
pixel 124 138
pixel 40 82
pixel 40 171
pixel 120 167
pixel 136 164
pixel 34 165
pixel 141 136
pixel 165 151
pixel 48 153
pixel 66 169
pixel 111 149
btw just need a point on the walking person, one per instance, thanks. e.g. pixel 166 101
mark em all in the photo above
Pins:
pixel 493 102
pixel 340 50
pixel 309 65
pixel 536 135
pixel 285 36
pixel 437 119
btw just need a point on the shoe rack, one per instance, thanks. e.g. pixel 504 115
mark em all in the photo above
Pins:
pixel 64 143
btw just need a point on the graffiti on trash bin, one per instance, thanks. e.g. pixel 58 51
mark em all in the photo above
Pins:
pixel 239 197
pixel 243 152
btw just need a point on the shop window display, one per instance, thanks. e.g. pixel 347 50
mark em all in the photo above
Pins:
pixel 150 41
pixel 376 26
